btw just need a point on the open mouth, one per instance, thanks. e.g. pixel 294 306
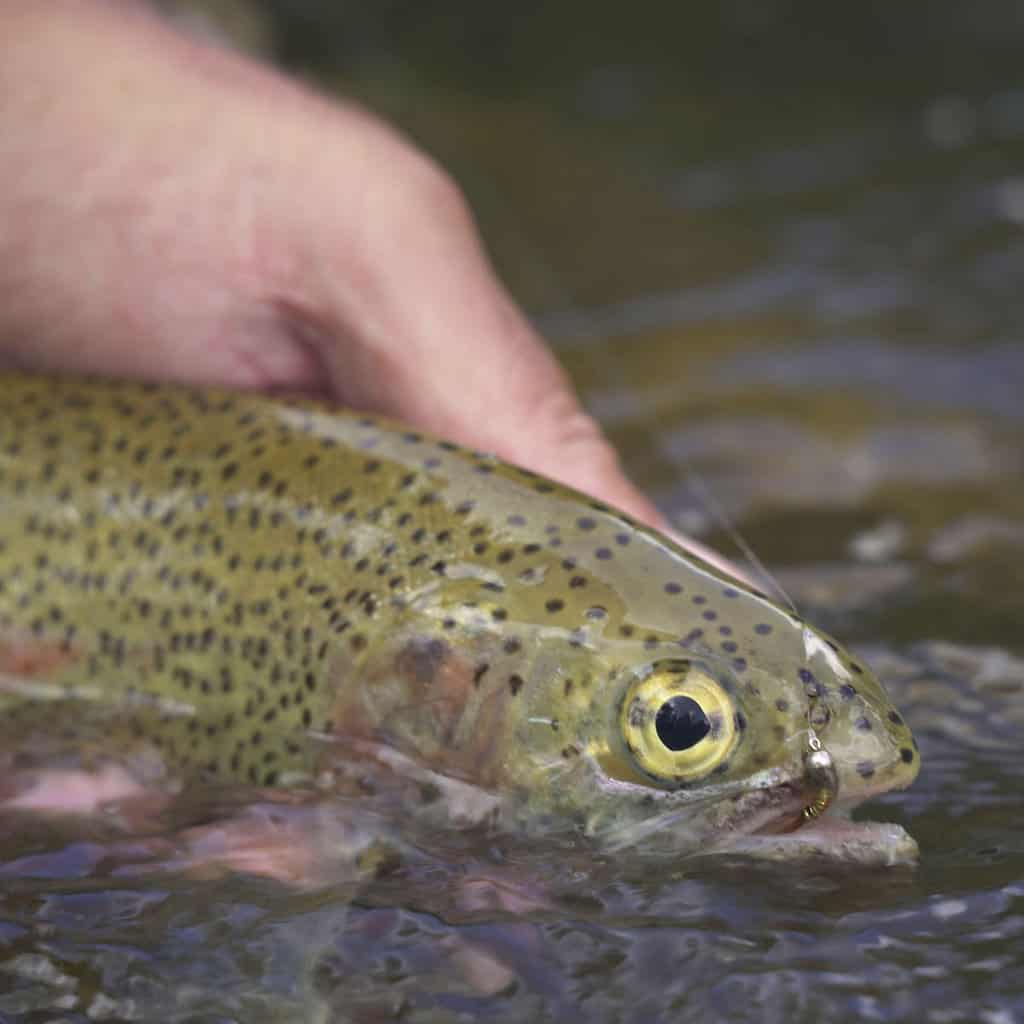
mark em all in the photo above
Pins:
pixel 832 836
pixel 807 819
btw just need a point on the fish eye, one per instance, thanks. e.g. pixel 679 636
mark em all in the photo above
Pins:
pixel 678 722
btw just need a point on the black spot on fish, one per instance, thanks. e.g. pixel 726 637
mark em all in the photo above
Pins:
pixel 691 638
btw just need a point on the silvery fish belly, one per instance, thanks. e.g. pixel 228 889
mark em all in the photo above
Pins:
pixel 206 586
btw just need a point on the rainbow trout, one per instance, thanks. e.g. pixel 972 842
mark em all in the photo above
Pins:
pixel 208 586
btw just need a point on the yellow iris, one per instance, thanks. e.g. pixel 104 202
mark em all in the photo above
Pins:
pixel 678 722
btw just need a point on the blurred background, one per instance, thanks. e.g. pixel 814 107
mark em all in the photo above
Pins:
pixel 779 247
pixel 778 244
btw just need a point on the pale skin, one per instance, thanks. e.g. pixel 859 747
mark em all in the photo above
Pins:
pixel 172 210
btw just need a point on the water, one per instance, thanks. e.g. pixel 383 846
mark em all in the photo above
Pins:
pixel 779 246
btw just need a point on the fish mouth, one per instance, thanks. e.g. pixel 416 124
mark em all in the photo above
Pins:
pixel 787 833
pixel 806 817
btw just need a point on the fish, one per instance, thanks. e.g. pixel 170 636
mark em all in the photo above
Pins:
pixel 215 588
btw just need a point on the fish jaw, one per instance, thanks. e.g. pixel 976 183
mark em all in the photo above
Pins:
pixel 771 826
pixel 832 839
pixel 767 816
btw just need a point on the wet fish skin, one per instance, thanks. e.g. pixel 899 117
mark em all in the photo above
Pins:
pixel 217 586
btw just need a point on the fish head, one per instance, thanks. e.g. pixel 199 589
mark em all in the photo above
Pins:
pixel 684 738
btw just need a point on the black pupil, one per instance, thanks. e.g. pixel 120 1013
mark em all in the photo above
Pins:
pixel 681 723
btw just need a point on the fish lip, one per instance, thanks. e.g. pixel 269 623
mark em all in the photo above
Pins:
pixel 830 838
pixel 787 834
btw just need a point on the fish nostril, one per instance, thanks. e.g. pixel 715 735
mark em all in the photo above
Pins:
pixel 819 715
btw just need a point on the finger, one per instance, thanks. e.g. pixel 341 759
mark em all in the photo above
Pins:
pixel 433 338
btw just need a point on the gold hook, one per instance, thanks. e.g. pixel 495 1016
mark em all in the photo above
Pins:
pixel 821 778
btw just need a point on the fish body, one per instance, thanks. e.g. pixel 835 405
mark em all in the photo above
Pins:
pixel 210 586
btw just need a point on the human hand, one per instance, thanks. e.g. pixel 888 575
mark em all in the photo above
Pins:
pixel 174 211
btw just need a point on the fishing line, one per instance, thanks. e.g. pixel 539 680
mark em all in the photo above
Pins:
pixel 696 483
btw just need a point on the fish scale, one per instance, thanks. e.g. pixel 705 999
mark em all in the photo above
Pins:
pixel 217 582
